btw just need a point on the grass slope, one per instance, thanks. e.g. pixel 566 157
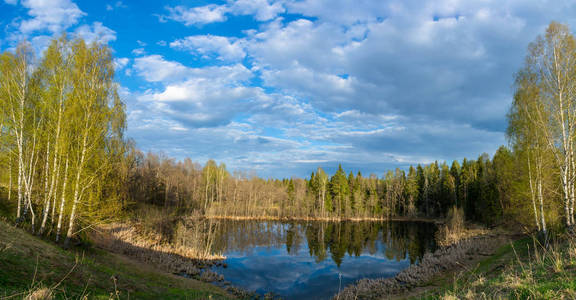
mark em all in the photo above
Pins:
pixel 519 270
pixel 28 263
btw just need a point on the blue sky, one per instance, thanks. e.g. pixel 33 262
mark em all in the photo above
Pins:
pixel 280 87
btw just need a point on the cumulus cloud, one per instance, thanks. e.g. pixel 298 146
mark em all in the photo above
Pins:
pixel 209 46
pixel 199 15
pixel 154 68
pixel 406 57
pixel 197 97
pixel 96 33
pixel 45 20
pixel 120 63
pixel 261 10
pixel 53 16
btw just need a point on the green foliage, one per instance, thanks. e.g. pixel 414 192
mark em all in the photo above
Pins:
pixel 62 146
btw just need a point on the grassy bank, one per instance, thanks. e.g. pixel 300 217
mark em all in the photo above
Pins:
pixel 520 269
pixel 29 264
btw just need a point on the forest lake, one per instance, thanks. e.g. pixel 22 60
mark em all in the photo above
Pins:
pixel 314 259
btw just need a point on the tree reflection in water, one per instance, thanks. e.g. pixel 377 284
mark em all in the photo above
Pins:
pixel 311 260
pixel 336 239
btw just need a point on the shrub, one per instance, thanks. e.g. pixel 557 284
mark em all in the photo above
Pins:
pixel 454 229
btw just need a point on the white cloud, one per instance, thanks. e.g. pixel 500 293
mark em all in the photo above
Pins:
pixel 301 41
pixel 96 33
pixel 120 63
pixel 154 68
pixel 139 51
pixel 414 58
pixel 53 16
pixel 263 10
pixel 308 83
pixel 201 102
pixel 200 15
pixel 197 97
pixel 118 4
pixel 227 49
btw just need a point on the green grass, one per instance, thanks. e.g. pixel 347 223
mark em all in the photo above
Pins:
pixel 520 270
pixel 27 263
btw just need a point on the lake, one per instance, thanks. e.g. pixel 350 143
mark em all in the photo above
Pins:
pixel 314 260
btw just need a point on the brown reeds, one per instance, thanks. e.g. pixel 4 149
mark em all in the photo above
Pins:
pixel 180 257
pixel 454 229
pixel 443 259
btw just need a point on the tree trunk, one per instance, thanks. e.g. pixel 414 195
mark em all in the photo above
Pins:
pixel 62 201
pixel 55 170
pixel 541 198
pixel 76 191
pixel 9 179
pixel 533 194
pixel 47 199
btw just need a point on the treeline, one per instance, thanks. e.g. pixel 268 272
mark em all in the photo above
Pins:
pixel 62 146
pixel 480 186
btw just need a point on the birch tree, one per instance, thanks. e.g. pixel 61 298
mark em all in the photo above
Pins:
pixel 91 113
pixel 55 69
pixel 546 86
pixel 17 93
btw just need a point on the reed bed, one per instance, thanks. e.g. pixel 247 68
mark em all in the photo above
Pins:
pixel 447 258
pixel 187 255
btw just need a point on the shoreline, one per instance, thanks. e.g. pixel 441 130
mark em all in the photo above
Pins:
pixel 434 265
pixel 324 219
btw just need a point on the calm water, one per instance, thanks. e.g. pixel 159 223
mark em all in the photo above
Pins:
pixel 312 260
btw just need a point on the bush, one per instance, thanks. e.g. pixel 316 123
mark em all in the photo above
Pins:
pixel 454 229
pixel 157 220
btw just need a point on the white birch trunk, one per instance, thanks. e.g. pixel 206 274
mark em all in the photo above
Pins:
pixel 62 202
pixel 540 196
pixel 533 195
pixel 47 200
pixel 76 190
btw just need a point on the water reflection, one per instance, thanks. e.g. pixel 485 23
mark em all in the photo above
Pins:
pixel 314 259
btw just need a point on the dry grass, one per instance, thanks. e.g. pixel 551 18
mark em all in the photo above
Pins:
pixel 126 239
pixel 195 239
pixel 454 230
pixel 42 293
pixel 449 258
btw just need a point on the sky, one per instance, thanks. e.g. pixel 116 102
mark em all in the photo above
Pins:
pixel 281 87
